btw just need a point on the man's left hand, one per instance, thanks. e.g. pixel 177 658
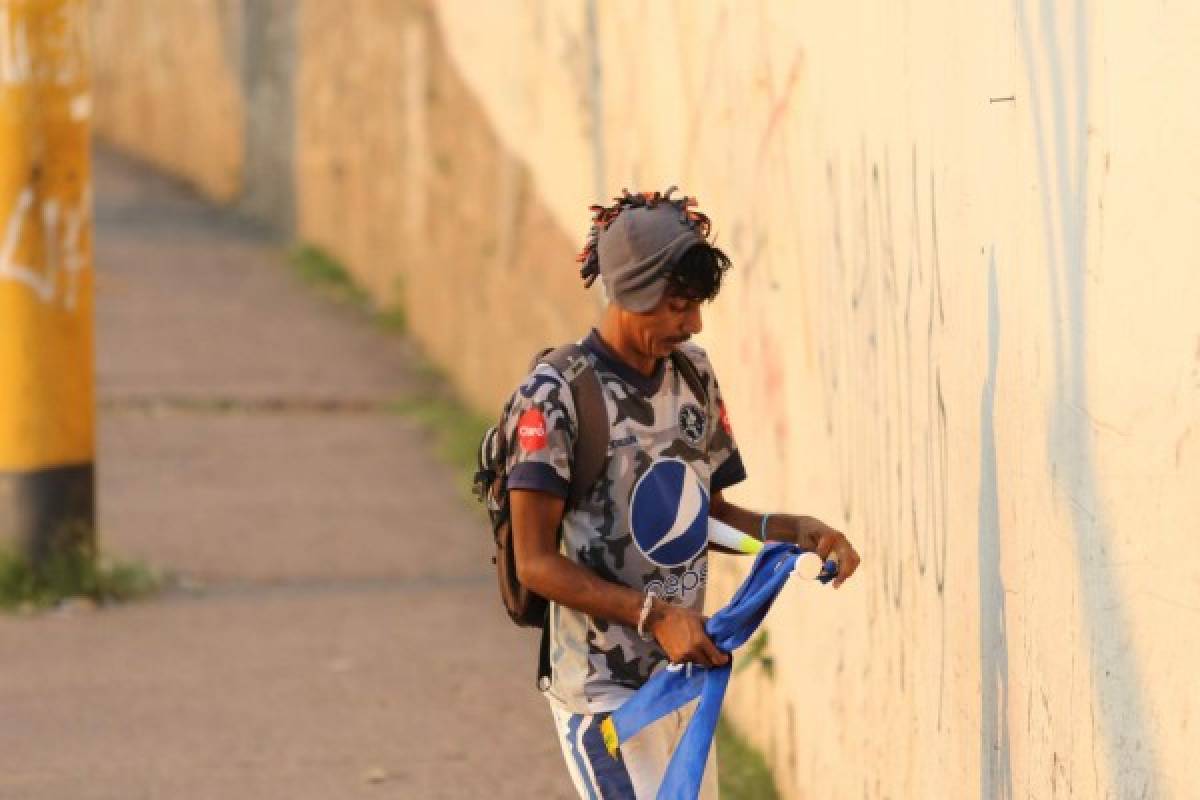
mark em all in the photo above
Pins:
pixel 812 534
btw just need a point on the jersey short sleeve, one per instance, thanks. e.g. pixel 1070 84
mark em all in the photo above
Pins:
pixel 540 430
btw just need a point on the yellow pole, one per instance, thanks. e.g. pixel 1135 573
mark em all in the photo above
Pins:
pixel 47 414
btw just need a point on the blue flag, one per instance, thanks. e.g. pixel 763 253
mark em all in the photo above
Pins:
pixel 670 688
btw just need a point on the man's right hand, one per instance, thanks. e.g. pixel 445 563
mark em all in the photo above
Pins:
pixel 543 569
pixel 680 632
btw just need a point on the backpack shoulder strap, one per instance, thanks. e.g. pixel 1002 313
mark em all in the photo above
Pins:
pixel 591 418
pixel 691 376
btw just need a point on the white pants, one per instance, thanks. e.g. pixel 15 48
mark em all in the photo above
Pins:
pixel 643 762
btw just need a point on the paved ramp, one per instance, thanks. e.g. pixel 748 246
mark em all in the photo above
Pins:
pixel 338 634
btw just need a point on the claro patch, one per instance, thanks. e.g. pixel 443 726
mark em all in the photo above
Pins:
pixel 531 431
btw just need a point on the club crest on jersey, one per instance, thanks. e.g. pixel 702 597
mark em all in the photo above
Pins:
pixel 692 422
pixel 668 513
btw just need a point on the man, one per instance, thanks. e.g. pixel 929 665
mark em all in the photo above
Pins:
pixel 627 584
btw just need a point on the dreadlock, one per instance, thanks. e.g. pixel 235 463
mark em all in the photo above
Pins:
pixel 603 216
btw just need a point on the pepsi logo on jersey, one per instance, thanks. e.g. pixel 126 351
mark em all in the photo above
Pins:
pixel 668 513
pixel 675 586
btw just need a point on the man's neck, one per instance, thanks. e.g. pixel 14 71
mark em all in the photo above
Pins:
pixel 623 348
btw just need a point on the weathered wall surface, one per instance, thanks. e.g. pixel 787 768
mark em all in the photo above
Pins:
pixel 959 327
pixel 204 90
pixel 267 61
pixel 347 124
pixel 962 326
pixel 167 86
pixel 398 171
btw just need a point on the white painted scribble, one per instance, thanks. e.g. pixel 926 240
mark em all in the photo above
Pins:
pixel 67 35
pixel 62 231
pixel 15 65
pixel 81 107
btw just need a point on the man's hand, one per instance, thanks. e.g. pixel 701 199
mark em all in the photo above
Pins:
pixel 680 632
pixel 812 534
pixel 807 532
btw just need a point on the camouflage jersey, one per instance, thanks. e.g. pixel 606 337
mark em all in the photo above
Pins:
pixel 644 524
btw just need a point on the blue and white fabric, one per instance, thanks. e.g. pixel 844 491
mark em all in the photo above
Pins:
pixel 673 687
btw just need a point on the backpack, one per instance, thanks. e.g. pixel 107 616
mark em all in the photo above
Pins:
pixel 589 459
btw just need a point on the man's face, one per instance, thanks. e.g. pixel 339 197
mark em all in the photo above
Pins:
pixel 670 323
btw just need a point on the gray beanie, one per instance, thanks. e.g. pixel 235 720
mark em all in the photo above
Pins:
pixel 633 244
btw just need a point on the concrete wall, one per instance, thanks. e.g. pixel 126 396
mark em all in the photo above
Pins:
pixel 167 88
pixel 267 61
pixel 203 89
pixel 962 326
pixel 399 173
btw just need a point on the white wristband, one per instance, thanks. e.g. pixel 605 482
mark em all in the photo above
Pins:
pixel 647 606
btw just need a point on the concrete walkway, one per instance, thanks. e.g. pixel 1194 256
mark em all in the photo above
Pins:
pixel 339 635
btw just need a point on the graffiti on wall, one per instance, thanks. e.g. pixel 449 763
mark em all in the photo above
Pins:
pixel 881 318
pixel 62 243
pixel 43 76
pixel 56 53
